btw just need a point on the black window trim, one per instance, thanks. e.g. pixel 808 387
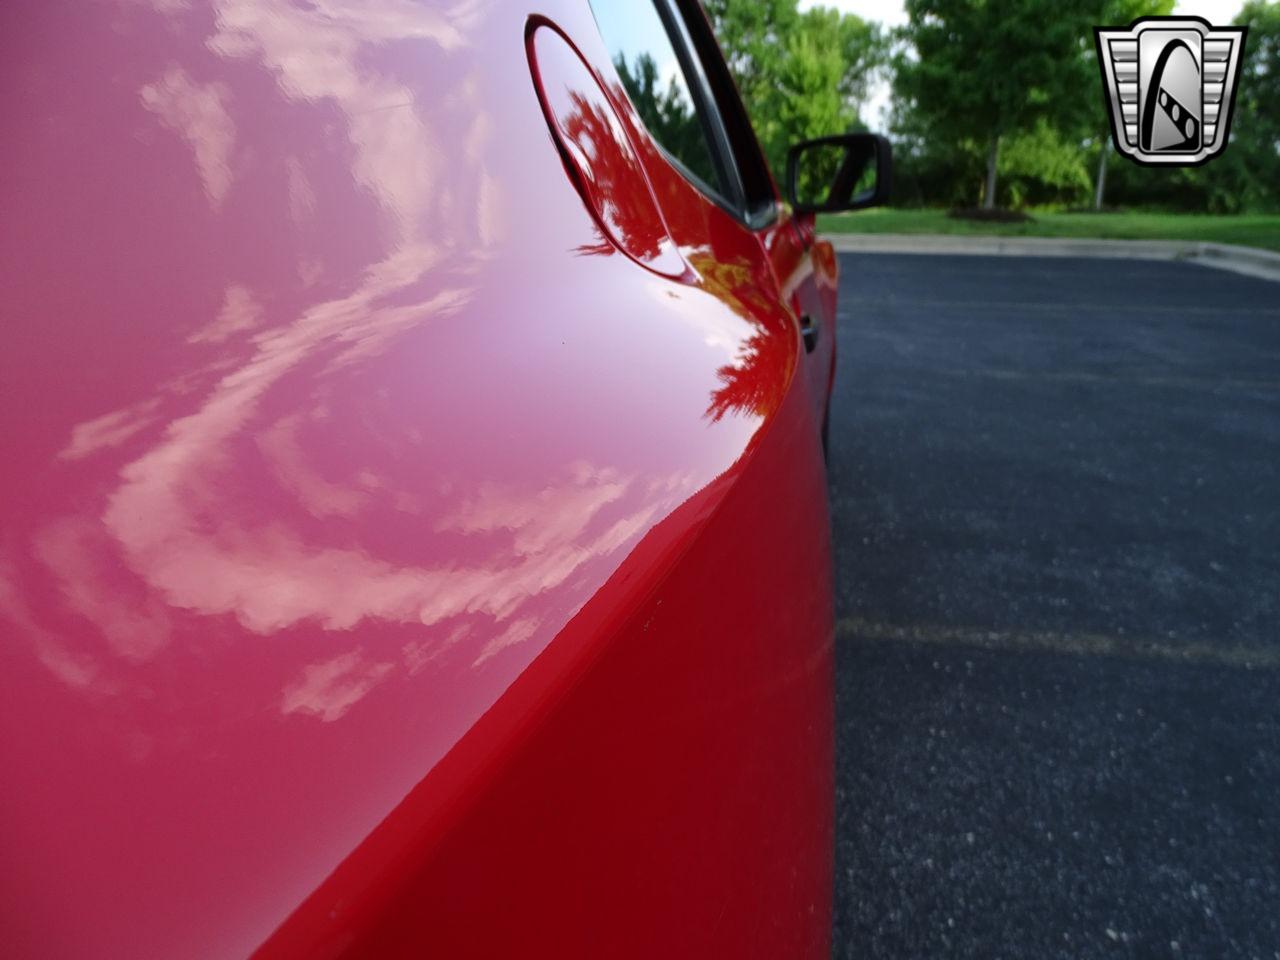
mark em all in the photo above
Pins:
pixel 674 22
pixel 678 28
pixel 718 88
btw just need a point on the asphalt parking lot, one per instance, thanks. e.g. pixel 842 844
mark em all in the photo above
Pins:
pixel 1055 488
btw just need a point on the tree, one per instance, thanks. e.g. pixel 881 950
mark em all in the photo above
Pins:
pixel 1118 13
pixel 1247 176
pixel 801 75
pixel 666 113
pixel 975 72
pixel 1042 165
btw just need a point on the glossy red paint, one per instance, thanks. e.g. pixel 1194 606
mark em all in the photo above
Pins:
pixel 389 565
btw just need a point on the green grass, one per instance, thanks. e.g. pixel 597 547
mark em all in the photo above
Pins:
pixel 1251 230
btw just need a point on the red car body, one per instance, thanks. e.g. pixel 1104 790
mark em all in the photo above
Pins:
pixel 414 527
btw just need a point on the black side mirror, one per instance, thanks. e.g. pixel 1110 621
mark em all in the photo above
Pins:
pixel 849 172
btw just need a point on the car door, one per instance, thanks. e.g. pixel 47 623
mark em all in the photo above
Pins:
pixel 674 798
pixel 415 530
pixel 803 266
pixel 717 152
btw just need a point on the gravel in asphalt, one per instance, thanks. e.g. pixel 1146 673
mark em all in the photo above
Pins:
pixel 1055 491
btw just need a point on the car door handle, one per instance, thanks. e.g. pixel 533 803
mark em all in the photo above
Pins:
pixel 808 330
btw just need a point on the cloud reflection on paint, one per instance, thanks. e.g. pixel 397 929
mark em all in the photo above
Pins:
pixel 173 519
pixel 328 690
pixel 239 312
pixel 108 430
pixel 243 415
pixel 165 515
pixel 76 669
pixel 80 558
pixel 200 114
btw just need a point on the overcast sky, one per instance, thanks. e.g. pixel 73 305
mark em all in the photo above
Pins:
pixel 889 12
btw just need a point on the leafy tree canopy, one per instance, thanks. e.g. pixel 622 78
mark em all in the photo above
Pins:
pixel 801 75
pixel 998 99
pixel 1247 176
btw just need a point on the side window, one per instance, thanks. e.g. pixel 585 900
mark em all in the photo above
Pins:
pixel 653 74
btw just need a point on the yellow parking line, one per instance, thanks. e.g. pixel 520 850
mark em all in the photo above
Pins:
pixel 1119 376
pixel 1071 643
pixel 1071 306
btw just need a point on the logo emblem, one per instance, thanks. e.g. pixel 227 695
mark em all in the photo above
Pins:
pixel 1171 84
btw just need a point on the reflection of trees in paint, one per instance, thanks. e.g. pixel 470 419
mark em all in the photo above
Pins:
pixel 667 114
pixel 620 189
pixel 601 247
pixel 816 172
pixel 754 383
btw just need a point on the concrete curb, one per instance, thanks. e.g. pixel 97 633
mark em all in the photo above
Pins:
pixel 1222 256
